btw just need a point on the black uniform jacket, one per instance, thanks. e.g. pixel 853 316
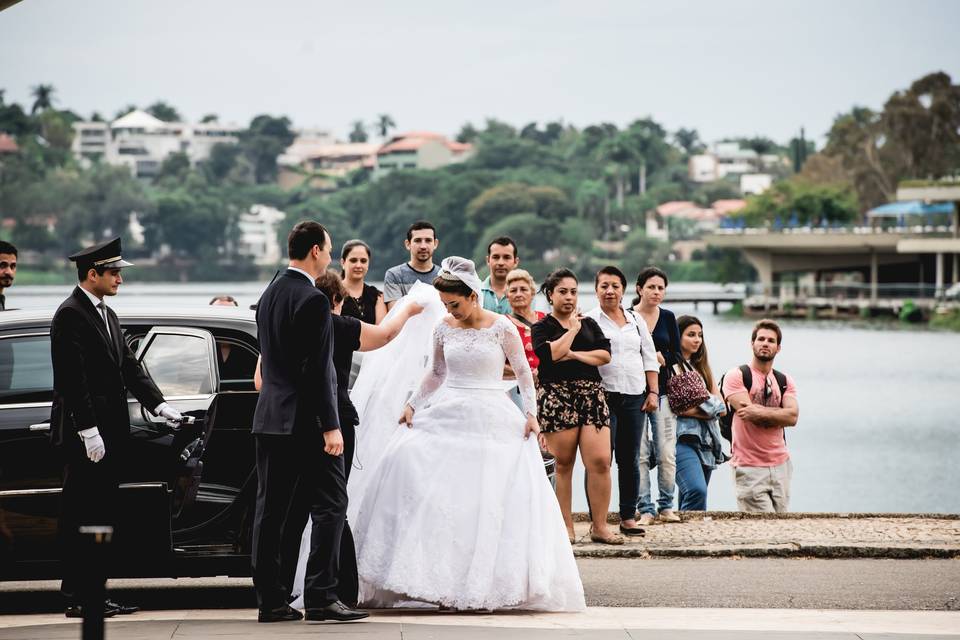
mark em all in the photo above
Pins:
pixel 294 327
pixel 92 373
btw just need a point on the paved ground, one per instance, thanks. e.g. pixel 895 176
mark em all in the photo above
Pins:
pixel 770 583
pixel 595 623
pixel 791 535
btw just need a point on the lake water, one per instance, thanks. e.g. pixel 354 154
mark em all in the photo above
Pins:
pixel 879 427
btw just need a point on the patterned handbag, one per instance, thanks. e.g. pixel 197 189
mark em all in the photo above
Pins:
pixel 685 388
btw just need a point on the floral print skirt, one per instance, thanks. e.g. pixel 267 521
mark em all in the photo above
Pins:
pixel 571 404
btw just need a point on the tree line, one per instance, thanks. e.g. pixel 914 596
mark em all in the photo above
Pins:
pixel 568 195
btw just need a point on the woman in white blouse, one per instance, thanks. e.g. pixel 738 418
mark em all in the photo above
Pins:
pixel 631 385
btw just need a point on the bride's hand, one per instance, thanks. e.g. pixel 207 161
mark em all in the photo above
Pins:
pixel 407 417
pixel 532 427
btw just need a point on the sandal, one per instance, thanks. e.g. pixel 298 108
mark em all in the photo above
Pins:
pixel 614 539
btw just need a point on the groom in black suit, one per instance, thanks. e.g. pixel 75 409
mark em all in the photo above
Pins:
pixel 297 433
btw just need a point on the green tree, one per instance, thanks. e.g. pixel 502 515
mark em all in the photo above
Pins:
pixel 163 111
pixel 532 234
pixel 640 251
pixel 210 117
pixel 359 132
pixel 688 140
pixel 173 170
pixel 265 139
pixel 468 133
pixel 42 97
pixel 384 124
pixel 124 111
pixel 499 202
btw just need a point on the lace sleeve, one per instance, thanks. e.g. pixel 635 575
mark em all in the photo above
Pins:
pixel 513 348
pixel 436 372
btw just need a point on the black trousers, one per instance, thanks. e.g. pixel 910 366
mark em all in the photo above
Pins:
pixel 290 469
pixel 348 585
pixel 90 496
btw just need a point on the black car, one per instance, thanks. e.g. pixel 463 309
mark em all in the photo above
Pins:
pixel 188 493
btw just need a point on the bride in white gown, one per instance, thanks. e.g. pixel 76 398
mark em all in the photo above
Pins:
pixel 455 510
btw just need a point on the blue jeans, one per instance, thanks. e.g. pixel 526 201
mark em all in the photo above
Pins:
pixel 662 447
pixel 692 478
pixel 627 426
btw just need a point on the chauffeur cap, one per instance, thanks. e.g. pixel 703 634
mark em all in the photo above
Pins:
pixel 105 255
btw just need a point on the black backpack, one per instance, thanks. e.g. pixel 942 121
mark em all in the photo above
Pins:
pixel 726 421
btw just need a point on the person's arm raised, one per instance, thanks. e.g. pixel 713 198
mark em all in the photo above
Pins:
pixel 374 336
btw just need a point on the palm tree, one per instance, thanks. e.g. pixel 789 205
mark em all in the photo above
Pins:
pixel 42 97
pixel 359 132
pixel 383 124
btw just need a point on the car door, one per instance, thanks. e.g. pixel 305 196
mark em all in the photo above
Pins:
pixel 182 361
pixel 30 472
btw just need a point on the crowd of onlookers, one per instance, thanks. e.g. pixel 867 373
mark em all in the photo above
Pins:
pixel 629 382
pixel 626 382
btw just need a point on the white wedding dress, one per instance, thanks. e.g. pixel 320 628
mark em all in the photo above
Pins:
pixel 457 510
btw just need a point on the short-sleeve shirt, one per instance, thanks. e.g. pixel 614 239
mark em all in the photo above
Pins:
pixel 398 280
pixel 755 446
pixel 491 302
pixel 346 340
pixel 590 338
pixel 362 308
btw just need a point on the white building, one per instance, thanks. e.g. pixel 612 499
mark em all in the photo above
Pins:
pixel 419 150
pixel 258 235
pixel 727 159
pixel 141 142
pixel 755 183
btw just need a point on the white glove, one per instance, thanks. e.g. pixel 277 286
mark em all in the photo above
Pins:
pixel 168 412
pixel 94 444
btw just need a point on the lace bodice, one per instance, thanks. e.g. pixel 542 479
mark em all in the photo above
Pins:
pixel 473 359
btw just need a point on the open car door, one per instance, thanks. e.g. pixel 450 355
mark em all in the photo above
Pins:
pixel 165 462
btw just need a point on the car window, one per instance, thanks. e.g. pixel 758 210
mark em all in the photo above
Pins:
pixel 236 361
pixel 26 373
pixel 179 364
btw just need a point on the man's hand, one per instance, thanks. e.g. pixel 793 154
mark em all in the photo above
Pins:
pixel 173 417
pixel 750 413
pixel 651 403
pixel 407 416
pixel 93 443
pixel 333 442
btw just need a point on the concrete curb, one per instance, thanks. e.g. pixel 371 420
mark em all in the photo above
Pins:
pixel 786 541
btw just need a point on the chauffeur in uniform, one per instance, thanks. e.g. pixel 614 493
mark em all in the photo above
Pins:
pixel 93 368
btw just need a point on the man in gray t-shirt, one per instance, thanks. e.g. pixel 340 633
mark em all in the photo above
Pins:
pixel 421 242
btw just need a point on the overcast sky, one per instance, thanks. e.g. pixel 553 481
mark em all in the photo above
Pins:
pixel 726 68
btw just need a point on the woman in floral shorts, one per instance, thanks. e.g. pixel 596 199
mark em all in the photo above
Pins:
pixel 570 401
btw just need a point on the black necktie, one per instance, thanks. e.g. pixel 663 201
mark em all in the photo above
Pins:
pixel 103 313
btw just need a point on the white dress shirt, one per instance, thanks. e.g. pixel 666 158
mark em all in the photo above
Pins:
pixel 102 312
pixel 305 274
pixel 632 353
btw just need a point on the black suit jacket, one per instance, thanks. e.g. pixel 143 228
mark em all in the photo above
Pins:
pixel 299 393
pixel 92 373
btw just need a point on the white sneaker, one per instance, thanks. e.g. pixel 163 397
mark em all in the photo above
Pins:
pixel 646 519
pixel 667 515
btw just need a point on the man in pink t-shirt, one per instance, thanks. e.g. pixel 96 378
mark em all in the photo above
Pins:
pixel 762 467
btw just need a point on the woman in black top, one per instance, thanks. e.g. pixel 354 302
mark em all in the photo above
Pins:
pixel 651 289
pixel 570 400
pixel 362 301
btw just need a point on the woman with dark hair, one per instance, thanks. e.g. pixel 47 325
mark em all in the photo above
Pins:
pixel 662 324
pixel 699 449
pixel 459 512
pixel 363 301
pixel 571 403
pixel 631 384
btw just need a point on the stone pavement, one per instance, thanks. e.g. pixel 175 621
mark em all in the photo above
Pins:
pixel 596 622
pixel 820 535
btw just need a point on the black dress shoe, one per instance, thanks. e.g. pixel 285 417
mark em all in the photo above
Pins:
pixel 122 609
pixel 76 611
pixel 632 531
pixel 284 613
pixel 337 612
